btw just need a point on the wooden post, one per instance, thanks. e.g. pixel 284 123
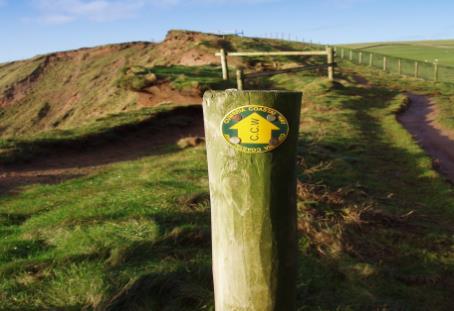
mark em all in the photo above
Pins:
pixel 253 207
pixel 225 68
pixel 399 66
pixel 342 53
pixel 416 70
pixel 330 60
pixel 351 55
pixel 435 72
pixel 384 63
pixel 240 79
pixel 360 58
pixel 371 57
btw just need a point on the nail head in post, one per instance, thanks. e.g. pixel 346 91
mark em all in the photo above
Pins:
pixel 237 117
pixel 235 140
pixel 271 117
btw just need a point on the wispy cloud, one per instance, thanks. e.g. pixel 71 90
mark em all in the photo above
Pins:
pixel 64 11
pixel 345 3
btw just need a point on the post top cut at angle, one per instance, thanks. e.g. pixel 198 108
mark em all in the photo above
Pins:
pixel 254 128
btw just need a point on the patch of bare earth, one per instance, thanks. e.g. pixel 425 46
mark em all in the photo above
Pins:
pixel 420 120
pixel 163 93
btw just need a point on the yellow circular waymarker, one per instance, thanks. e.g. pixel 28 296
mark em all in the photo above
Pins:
pixel 255 129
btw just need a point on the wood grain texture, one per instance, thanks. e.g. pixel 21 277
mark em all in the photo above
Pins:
pixel 330 61
pixel 225 67
pixel 253 208
pixel 416 70
pixel 435 72
pixel 280 53
pixel 240 79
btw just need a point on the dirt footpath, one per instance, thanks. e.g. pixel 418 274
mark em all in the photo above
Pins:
pixel 75 161
pixel 420 120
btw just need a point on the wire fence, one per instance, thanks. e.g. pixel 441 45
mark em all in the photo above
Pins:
pixel 400 66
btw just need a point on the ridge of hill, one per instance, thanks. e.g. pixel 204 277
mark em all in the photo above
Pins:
pixel 66 90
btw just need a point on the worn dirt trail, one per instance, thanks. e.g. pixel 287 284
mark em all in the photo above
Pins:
pixel 420 120
pixel 79 160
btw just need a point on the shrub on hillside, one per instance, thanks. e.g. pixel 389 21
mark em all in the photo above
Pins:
pixel 136 79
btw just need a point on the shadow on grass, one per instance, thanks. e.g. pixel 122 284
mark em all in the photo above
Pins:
pixel 376 225
pixel 51 161
pixel 181 279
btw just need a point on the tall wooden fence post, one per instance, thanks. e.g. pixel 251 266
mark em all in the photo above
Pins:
pixel 399 66
pixel 351 55
pixel 342 53
pixel 253 197
pixel 416 70
pixel 371 58
pixel 225 68
pixel 360 58
pixel 330 60
pixel 240 79
pixel 384 63
pixel 435 72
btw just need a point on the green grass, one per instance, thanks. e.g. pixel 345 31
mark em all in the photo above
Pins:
pixel 80 242
pixel 375 221
pixel 441 93
pixel 181 78
pixel 426 51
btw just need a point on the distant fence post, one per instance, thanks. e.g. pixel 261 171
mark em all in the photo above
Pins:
pixel 360 58
pixel 399 66
pixel 351 55
pixel 330 60
pixel 435 72
pixel 240 79
pixel 371 57
pixel 416 70
pixel 342 53
pixel 225 68
pixel 384 63
pixel 251 143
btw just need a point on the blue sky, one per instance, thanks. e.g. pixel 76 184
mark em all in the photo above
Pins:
pixel 31 27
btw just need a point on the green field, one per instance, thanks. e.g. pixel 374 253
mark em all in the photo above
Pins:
pixel 427 51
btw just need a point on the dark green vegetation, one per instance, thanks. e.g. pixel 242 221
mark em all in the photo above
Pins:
pixel 181 78
pixel 375 220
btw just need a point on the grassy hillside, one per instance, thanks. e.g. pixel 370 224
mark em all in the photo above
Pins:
pixel 441 50
pixel 66 90
pixel 374 219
